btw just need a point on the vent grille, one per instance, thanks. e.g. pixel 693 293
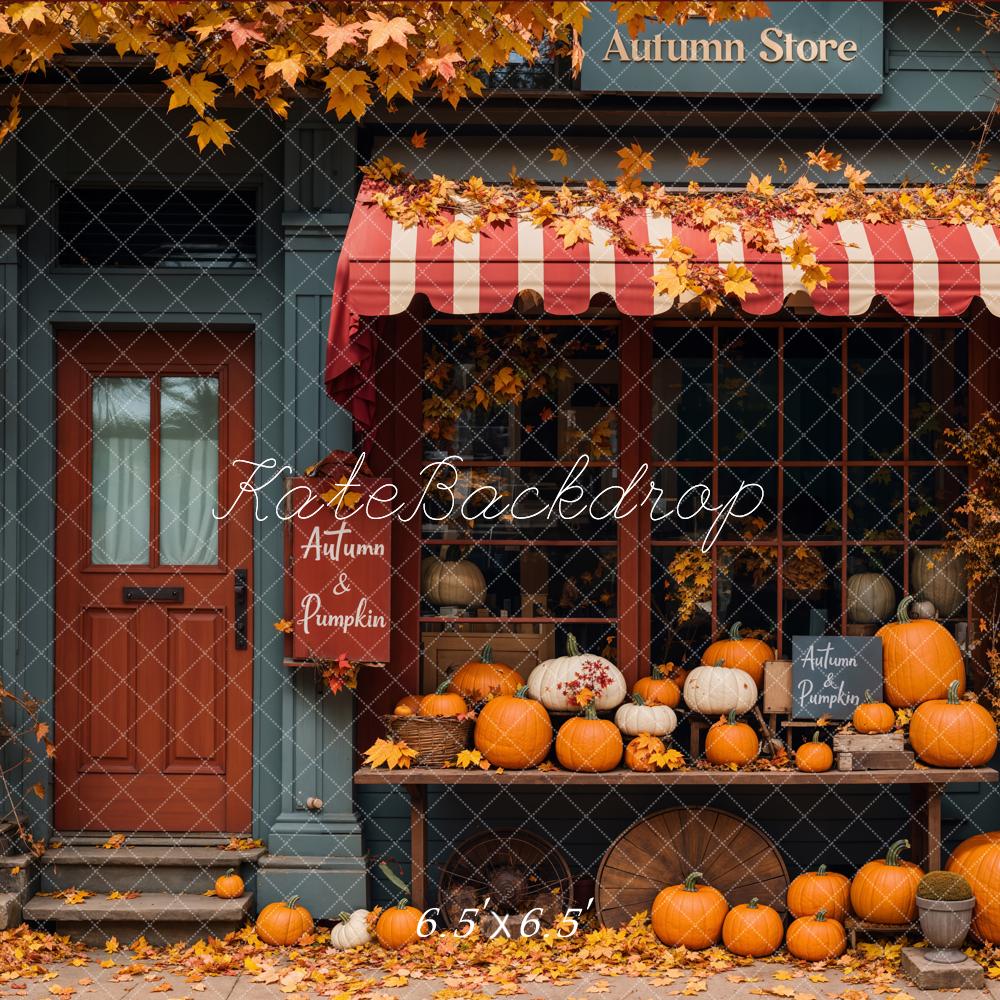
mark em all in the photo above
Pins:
pixel 157 227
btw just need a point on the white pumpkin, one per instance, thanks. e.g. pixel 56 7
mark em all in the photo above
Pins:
pixel 637 717
pixel 717 690
pixel 351 931
pixel 548 682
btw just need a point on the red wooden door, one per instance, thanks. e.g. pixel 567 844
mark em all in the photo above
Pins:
pixel 153 699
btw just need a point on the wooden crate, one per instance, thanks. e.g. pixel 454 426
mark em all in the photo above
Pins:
pixel 851 742
pixel 872 752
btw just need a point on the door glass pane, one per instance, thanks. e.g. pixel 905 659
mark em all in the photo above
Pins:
pixel 119 520
pixel 189 470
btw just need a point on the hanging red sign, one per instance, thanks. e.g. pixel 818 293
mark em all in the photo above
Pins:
pixel 340 564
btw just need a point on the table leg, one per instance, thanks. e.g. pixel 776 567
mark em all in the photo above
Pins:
pixel 418 845
pixel 925 835
pixel 933 821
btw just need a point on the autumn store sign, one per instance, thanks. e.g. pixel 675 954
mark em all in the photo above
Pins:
pixel 803 48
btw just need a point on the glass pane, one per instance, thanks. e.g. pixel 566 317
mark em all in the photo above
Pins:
pixel 119 521
pixel 935 493
pixel 813 393
pixel 875 503
pixel 681 388
pixel 748 395
pixel 811 590
pixel 189 470
pixel 681 604
pixel 939 390
pixel 875 394
pixel 813 502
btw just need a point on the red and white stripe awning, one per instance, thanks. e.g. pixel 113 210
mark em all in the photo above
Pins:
pixel 920 267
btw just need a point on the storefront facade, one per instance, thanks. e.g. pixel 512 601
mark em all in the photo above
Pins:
pixel 220 298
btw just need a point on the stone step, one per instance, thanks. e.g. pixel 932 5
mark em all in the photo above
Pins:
pixel 160 917
pixel 150 869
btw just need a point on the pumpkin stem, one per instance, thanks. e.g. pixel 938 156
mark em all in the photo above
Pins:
pixel 572 646
pixel 903 610
pixel 343 917
pixel 869 698
pixel 820 915
pixel 401 905
pixel 590 711
pixel 522 691
pixel 656 673
pixel 486 656
pixel 638 699
pixel 230 871
pixel 953 693
pixel 815 738
pixel 731 717
pixel 443 686
pixel 821 870
pixel 734 632
pixel 291 901
pixel 892 855
pixel 719 663
pixel 752 905
pixel 691 882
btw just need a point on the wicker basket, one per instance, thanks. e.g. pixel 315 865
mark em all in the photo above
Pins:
pixel 436 740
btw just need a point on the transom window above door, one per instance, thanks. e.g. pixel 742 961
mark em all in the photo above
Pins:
pixel 154 470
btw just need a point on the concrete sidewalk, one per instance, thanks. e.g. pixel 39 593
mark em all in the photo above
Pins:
pixel 748 983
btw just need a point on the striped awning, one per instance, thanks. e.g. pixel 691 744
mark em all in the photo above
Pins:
pixel 920 267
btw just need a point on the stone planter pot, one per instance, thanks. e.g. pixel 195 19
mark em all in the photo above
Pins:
pixel 945 923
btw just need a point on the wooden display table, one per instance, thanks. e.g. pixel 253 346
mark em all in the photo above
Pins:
pixel 927 784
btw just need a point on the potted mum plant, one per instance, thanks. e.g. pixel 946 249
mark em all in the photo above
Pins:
pixel 945 902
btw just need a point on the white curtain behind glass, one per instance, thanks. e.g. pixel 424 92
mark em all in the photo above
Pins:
pixel 189 470
pixel 120 470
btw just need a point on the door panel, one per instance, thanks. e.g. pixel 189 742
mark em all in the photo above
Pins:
pixel 153 699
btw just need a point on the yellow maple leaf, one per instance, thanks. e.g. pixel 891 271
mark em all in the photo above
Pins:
pixel 508 382
pixel 111 945
pixel 824 159
pixel 339 496
pixel 383 30
pixel 573 230
pixel 418 140
pixel 284 626
pixel 211 130
pixel 471 758
pixel 559 155
pixel 633 160
pixel 196 91
pixel 697 159
pixel 760 185
pixel 108 963
pixel 782 166
pixel 113 842
pixel 457 229
pixel 738 280
pixel 390 754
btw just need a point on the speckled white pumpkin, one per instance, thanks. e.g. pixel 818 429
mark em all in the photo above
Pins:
pixel 351 931
pixel 635 717
pixel 547 682
pixel 718 690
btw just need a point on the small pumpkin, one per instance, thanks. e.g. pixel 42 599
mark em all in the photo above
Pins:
pixel 458 583
pixel 729 741
pixel 810 892
pixel 443 704
pixel 689 915
pixel 351 931
pixel 884 891
pixel 589 744
pixel 752 931
pixel 229 886
pixel 398 925
pixel 513 732
pixel 923 609
pixel 283 923
pixel 870 598
pixel 640 751
pixel 920 659
pixel 480 679
pixel 980 865
pixel 873 716
pixel 953 732
pixel 748 655
pixel 554 682
pixel 636 716
pixel 658 688
pixel 717 690
pixel 408 705
pixel 816 938
pixel 814 756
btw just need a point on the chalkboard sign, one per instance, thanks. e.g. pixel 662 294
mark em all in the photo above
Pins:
pixel 831 673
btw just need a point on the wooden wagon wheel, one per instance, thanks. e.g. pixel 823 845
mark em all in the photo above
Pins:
pixel 514 870
pixel 660 850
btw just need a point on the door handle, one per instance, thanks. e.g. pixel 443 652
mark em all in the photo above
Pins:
pixel 241 600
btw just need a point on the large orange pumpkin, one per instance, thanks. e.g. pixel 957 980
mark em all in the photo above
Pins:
pixel 480 679
pixel 873 716
pixel 658 689
pixel 811 892
pixel 513 731
pixel 981 867
pixel 731 742
pixel 885 891
pixel 748 655
pixel 443 703
pixel 752 931
pixel 398 925
pixel 953 733
pixel 970 844
pixel 283 923
pixel 920 659
pixel 816 938
pixel 689 914
pixel 814 756
pixel 587 743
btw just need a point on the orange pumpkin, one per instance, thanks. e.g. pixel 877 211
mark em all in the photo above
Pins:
pixel 513 731
pixel 731 742
pixel 920 659
pixel 408 705
pixel 816 938
pixel 283 923
pixel 748 655
pixel 442 703
pixel 398 925
pixel 885 891
pixel 968 845
pixel 480 679
pixel 873 716
pixel 587 743
pixel 229 886
pixel 814 756
pixel 981 867
pixel 752 931
pixel 811 892
pixel 658 689
pixel 689 914
pixel 953 733
pixel 640 751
